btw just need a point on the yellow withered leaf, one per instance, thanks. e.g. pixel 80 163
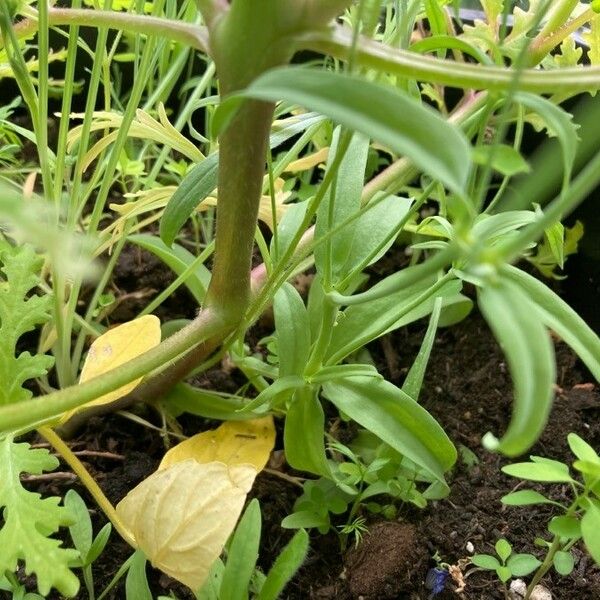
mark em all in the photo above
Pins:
pixel 116 347
pixel 232 443
pixel 181 516
pixel 308 162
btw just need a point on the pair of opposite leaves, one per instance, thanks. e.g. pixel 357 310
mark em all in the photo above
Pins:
pixel 182 515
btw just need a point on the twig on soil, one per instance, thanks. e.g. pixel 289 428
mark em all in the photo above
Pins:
pixel 58 475
pixel 290 478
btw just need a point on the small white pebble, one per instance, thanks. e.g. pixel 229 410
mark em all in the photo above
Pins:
pixel 518 588
pixel 470 547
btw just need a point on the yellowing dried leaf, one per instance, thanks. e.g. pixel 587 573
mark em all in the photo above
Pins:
pixel 308 162
pixel 116 347
pixel 232 443
pixel 181 516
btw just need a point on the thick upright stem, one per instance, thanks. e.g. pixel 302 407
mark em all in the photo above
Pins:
pixel 242 154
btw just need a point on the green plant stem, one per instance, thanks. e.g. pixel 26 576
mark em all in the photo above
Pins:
pixel 63 130
pixel 32 413
pixel 208 336
pixel 544 43
pixel 185 33
pixel 42 126
pixel 242 155
pixel 90 483
pixel 544 567
pixel 570 198
pixel 404 279
pixel 329 313
pixel 559 15
pixel 338 43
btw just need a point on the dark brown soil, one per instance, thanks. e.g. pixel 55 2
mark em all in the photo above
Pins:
pixel 467 388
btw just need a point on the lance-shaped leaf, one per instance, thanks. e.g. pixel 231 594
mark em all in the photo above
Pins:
pixel 181 516
pixel 556 314
pixel 526 344
pixel 395 418
pixel 29 521
pixel 381 112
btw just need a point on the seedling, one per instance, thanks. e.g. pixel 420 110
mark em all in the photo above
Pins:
pixel 506 563
pixel 579 520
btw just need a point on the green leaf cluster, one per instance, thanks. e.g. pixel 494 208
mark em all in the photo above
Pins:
pixel 506 564
pixel 578 520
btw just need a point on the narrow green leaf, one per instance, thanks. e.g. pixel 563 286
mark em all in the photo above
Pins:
pixel 178 259
pixel 99 544
pixel 589 468
pixel 81 528
pixel 304 434
pixel 430 44
pixel 590 526
pixel 242 554
pixel 202 179
pixel 504 159
pixel 524 498
pixel 414 380
pixel 194 188
pixel 491 227
pixel 288 227
pixel 395 418
pixel 539 472
pixel 304 518
pixel 362 323
pixel 561 318
pixel 210 589
pixel 374 227
pixel 136 583
pixel 381 112
pixel 559 123
pixel 341 201
pixel 345 370
pixel 293 330
pixel 184 397
pixel 530 356
pixel 277 393
pixel 287 563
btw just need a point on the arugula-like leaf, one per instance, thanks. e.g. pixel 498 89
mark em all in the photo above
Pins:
pixel 29 521
pixel 20 312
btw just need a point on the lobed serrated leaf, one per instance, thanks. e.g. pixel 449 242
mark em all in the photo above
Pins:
pixel 20 312
pixel 29 521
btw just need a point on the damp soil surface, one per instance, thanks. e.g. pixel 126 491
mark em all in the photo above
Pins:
pixel 467 388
